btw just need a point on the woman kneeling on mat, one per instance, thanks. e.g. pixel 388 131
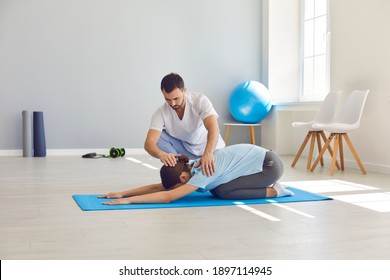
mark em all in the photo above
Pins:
pixel 243 171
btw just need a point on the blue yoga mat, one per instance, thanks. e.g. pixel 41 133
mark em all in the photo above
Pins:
pixel 91 202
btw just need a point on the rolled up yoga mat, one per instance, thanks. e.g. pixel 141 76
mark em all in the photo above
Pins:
pixel 27 134
pixel 39 135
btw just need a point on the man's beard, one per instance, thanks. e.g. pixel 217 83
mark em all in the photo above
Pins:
pixel 178 107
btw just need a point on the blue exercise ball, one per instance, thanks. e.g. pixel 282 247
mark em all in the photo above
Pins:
pixel 250 102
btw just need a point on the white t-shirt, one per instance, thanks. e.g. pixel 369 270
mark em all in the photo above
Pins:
pixel 230 163
pixel 190 130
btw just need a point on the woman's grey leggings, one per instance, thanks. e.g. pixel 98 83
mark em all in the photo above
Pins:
pixel 252 186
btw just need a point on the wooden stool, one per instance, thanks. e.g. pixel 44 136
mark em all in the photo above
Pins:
pixel 251 130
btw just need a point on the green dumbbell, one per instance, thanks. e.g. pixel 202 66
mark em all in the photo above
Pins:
pixel 117 152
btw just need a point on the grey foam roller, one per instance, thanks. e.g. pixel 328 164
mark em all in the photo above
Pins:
pixel 27 134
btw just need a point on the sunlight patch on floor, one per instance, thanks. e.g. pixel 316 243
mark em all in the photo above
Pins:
pixel 133 160
pixel 273 202
pixel 242 205
pixel 144 164
pixel 377 201
pixel 325 186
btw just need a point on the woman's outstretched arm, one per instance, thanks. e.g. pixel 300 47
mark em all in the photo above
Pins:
pixel 134 192
pixel 156 197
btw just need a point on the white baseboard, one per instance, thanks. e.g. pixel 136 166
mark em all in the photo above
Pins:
pixel 11 153
pixel 71 152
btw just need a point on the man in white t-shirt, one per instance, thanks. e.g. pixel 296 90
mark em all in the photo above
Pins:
pixel 185 124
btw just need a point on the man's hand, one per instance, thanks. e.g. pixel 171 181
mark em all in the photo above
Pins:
pixel 168 159
pixel 207 163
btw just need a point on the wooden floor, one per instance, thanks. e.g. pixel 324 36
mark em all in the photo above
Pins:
pixel 40 220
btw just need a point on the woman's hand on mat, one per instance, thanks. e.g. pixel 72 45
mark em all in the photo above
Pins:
pixel 169 159
pixel 112 195
pixel 207 163
pixel 125 200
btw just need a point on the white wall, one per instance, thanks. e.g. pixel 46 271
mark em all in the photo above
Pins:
pixel 94 66
pixel 361 60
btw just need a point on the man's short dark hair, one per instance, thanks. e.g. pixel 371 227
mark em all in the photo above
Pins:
pixel 171 82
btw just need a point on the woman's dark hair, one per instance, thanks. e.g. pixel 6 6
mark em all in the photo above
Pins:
pixel 170 175
pixel 172 81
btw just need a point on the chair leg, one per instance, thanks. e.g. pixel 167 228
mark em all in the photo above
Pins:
pixel 319 146
pixel 334 157
pixel 308 135
pixel 324 148
pixel 310 156
pixel 354 153
pixel 227 134
pixel 341 152
pixel 329 148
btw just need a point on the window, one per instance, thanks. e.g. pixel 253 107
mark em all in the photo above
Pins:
pixel 315 50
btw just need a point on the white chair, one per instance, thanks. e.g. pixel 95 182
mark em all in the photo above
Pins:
pixel 325 114
pixel 347 120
